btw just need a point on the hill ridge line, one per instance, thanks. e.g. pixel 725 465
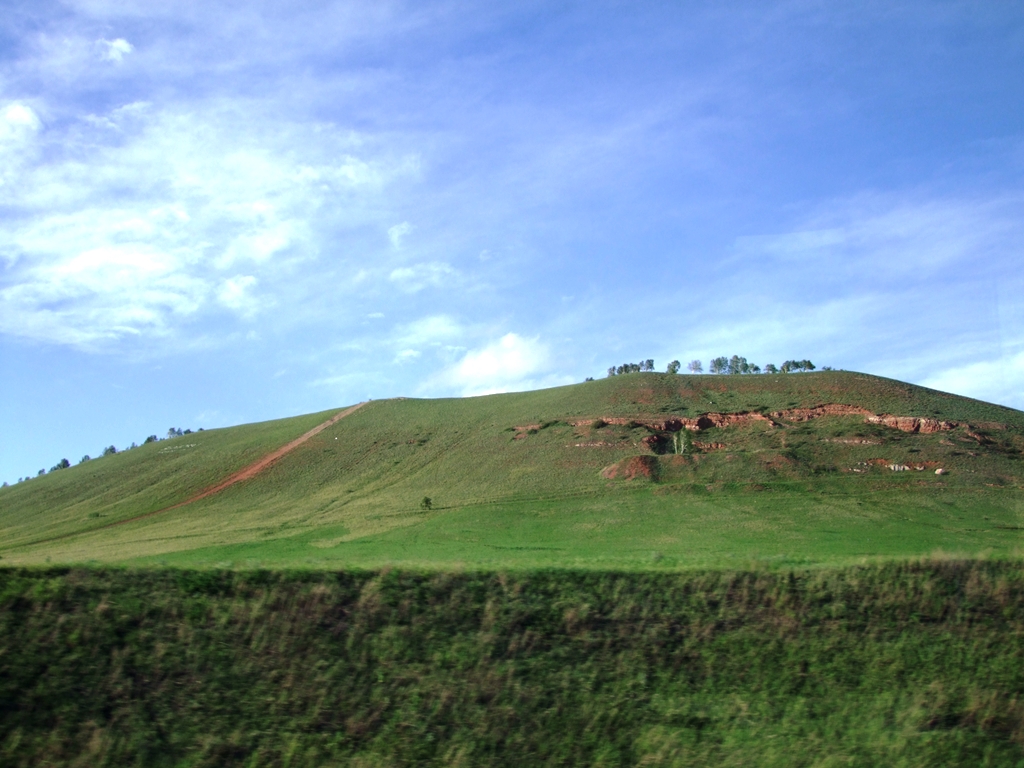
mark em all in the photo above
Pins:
pixel 244 473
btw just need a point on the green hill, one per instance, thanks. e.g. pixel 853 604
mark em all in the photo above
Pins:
pixel 637 471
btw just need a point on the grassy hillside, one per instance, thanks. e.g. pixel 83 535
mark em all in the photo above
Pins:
pixel 903 664
pixel 591 475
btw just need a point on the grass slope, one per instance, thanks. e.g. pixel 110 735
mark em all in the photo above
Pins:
pixel 517 481
pixel 900 664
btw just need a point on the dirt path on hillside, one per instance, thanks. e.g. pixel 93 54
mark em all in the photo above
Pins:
pixel 245 473
pixel 257 466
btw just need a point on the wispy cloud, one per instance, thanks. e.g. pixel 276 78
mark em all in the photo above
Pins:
pixel 419 276
pixel 134 222
pixel 397 233
pixel 510 363
pixel 433 330
pixel 996 381
pixel 115 50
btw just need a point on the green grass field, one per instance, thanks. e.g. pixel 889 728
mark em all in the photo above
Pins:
pixel 521 481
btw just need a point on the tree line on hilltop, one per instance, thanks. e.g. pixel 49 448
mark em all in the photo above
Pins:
pixel 735 365
pixel 110 450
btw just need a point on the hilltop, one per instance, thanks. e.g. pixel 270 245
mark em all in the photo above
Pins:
pixel 641 470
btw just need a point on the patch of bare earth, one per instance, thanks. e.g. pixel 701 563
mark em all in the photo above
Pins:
pixel 632 468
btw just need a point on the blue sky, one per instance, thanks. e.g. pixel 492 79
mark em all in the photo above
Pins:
pixel 215 213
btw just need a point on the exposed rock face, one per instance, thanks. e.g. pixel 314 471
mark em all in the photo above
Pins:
pixel 676 423
pixel 806 414
pixel 915 424
pixel 912 423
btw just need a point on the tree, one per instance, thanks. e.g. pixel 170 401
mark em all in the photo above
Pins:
pixel 806 365
pixel 648 365
pixel 770 368
pixel 109 450
pixel 62 464
pixel 40 473
pixel 673 367
pixel 426 504
pixel 150 439
pixel 720 365
pixel 695 366
pixel 611 371
pixel 682 441
pixel 173 432
pixel 738 365
pixel 85 458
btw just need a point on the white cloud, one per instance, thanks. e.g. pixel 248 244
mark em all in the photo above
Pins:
pixel 115 50
pixel 99 294
pixel 435 330
pixel 512 363
pixel 17 119
pixel 135 219
pixel 234 293
pixel 406 355
pixel 997 381
pixel 876 236
pixel 19 127
pixel 397 233
pixel 419 276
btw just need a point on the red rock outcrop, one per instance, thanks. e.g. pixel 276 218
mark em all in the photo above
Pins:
pixel 832 409
pixel 912 423
pixel 675 423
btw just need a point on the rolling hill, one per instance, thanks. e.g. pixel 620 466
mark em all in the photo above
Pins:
pixel 640 471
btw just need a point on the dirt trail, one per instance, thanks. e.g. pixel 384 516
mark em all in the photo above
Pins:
pixel 243 474
pixel 257 466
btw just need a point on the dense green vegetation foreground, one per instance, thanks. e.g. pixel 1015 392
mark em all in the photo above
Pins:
pixel 896 664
